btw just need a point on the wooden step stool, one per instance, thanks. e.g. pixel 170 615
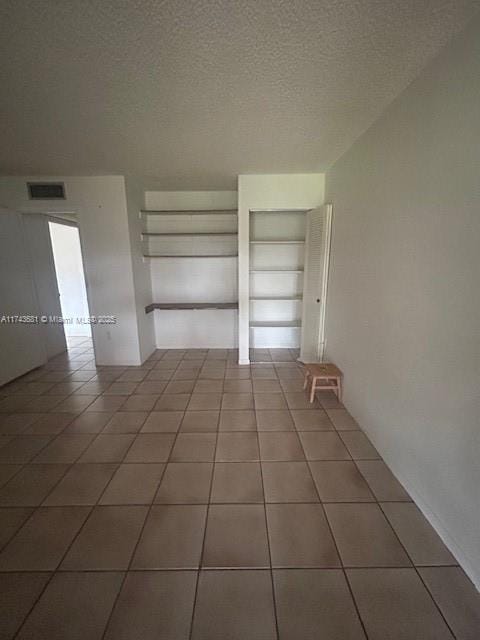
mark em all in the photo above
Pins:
pixel 324 375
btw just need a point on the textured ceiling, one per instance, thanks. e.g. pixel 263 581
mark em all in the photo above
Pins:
pixel 191 93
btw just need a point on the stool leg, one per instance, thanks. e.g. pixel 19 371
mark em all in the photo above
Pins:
pixel 339 387
pixel 305 382
pixel 312 390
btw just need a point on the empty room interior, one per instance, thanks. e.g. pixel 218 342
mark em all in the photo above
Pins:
pixel 240 320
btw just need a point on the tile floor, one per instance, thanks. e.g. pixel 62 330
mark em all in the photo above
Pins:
pixel 193 498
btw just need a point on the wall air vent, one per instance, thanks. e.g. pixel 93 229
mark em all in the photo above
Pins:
pixel 46 190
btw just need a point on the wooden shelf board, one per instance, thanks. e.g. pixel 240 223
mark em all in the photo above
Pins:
pixel 219 255
pixel 192 235
pixel 276 298
pixel 279 324
pixel 277 241
pixel 193 212
pixel 276 270
pixel 178 306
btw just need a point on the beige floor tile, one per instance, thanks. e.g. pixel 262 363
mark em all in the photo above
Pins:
pixel 280 446
pixel 300 400
pixel 200 421
pixel 31 485
pixel 237 386
pixel 17 423
pixel 342 420
pixel 50 424
pixel 133 484
pixel 364 537
pixel 139 403
pixel 274 420
pixel 241 420
pixel 323 445
pixel 180 386
pixel 237 401
pixel 237 482
pixel 236 537
pixel 162 422
pixel 421 541
pixel 300 537
pixel 311 420
pixel 120 389
pixel 185 482
pixel 153 605
pixel 18 594
pixel 382 481
pixel 237 447
pixel 151 387
pixel 288 482
pixel 74 606
pixel 106 403
pixel 7 471
pixel 22 449
pixel 89 422
pixel 150 447
pixel 65 448
pixel 205 401
pixel 315 603
pixel 208 386
pixel 108 448
pixel 82 485
pixel 126 422
pixel 457 598
pixel 11 519
pixel 266 386
pixel 359 446
pixel 172 538
pixel 74 404
pixel 234 604
pixel 107 539
pixel 42 541
pixel 172 402
pixel 269 401
pixel 194 447
pixel 393 603
pixel 340 481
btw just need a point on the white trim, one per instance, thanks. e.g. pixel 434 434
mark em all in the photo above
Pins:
pixel 325 275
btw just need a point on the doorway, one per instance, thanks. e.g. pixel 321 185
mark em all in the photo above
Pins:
pixel 67 256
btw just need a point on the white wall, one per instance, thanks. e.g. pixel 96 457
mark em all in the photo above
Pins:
pixel 22 345
pixel 39 245
pixel 70 277
pixel 403 319
pixel 141 270
pixel 280 191
pixel 101 208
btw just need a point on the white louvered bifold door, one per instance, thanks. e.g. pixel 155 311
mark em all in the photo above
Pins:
pixel 315 283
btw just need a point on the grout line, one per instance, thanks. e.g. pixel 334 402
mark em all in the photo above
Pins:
pixel 207 512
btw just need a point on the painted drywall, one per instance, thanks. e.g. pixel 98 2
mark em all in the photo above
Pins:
pixel 256 192
pixel 403 319
pixel 142 281
pixel 22 344
pixel 67 256
pixel 100 205
pixel 37 238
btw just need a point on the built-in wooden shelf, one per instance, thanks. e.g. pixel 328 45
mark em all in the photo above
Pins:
pixel 217 255
pixel 277 241
pixel 191 235
pixel 193 212
pixel 276 270
pixel 276 298
pixel 179 306
pixel 275 324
